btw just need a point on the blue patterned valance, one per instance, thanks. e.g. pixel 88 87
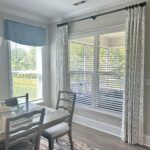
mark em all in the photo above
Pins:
pixel 24 34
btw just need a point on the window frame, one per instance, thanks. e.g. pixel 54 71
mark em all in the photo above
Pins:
pixel 96 33
pixel 38 100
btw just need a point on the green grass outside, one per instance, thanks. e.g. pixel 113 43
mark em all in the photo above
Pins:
pixel 22 86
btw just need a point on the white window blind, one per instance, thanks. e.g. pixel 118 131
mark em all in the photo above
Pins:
pixel 81 69
pixel 97 70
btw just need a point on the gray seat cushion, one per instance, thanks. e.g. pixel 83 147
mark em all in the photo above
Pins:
pixel 22 146
pixel 19 146
pixel 1 146
pixel 56 130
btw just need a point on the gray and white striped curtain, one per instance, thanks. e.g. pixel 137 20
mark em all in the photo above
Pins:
pixel 132 124
pixel 62 72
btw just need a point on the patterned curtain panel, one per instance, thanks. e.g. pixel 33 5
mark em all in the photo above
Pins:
pixel 62 59
pixel 132 125
pixel 0 40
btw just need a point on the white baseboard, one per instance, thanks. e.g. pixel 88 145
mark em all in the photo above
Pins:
pixel 104 127
pixel 101 126
pixel 147 140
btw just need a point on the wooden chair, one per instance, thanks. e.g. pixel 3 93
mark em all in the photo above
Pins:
pixel 65 101
pixel 14 101
pixel 23 132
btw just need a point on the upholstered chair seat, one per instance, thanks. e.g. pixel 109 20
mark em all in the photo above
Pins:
pixel 56 130
pixel 22 146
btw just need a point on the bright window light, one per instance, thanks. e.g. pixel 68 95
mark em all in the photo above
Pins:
pixel 26 68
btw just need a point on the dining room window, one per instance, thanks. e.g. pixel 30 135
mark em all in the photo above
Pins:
pixel 26 70
pixel 97 71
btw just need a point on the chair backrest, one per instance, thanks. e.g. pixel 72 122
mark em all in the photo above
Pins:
pixel 23 128
pixel 66 101
pixel 14 101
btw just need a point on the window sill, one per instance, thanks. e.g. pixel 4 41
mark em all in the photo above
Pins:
pixel 38 101
pixel 103 111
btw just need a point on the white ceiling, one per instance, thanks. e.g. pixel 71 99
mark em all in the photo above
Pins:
pixel 52 10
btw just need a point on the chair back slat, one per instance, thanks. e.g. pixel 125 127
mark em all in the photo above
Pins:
pixel 19 140
pixel 66 101
pixel 25 115
pixel 64 108
pixel 24 127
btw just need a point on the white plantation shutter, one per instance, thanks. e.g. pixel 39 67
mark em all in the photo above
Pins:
pixel 111 79
pixel 97 69
pixel 81 69
pixel 111 72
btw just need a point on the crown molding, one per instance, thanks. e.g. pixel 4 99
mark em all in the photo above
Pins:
pixel 93 10
pixel 23 14
pixel 70 16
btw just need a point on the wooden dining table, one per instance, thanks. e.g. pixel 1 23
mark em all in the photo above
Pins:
pixel 52 117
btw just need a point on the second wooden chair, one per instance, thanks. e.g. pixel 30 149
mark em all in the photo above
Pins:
pixel 65 101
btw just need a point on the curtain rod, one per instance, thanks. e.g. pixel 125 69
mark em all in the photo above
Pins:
pixel 102 14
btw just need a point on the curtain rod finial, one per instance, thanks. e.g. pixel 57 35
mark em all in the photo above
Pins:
pixel 93 17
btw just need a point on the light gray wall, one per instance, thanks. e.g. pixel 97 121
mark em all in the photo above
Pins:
pixel 98 116
pixel 100 23
pixel 4 59
pixel 4 65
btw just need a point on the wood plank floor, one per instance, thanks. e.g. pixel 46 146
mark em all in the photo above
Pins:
pixel 101 140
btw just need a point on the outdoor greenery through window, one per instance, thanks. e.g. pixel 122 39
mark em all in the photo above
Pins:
pixel 26 67
pixel 97 71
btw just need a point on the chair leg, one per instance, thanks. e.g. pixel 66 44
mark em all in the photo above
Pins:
pixel 51 144
pixel 70 139
pixel 57 140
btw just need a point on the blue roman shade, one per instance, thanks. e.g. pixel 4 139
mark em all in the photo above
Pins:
pixel 24 34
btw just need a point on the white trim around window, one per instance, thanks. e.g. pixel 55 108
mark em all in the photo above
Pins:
pixel 94 33
pixel 40 71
